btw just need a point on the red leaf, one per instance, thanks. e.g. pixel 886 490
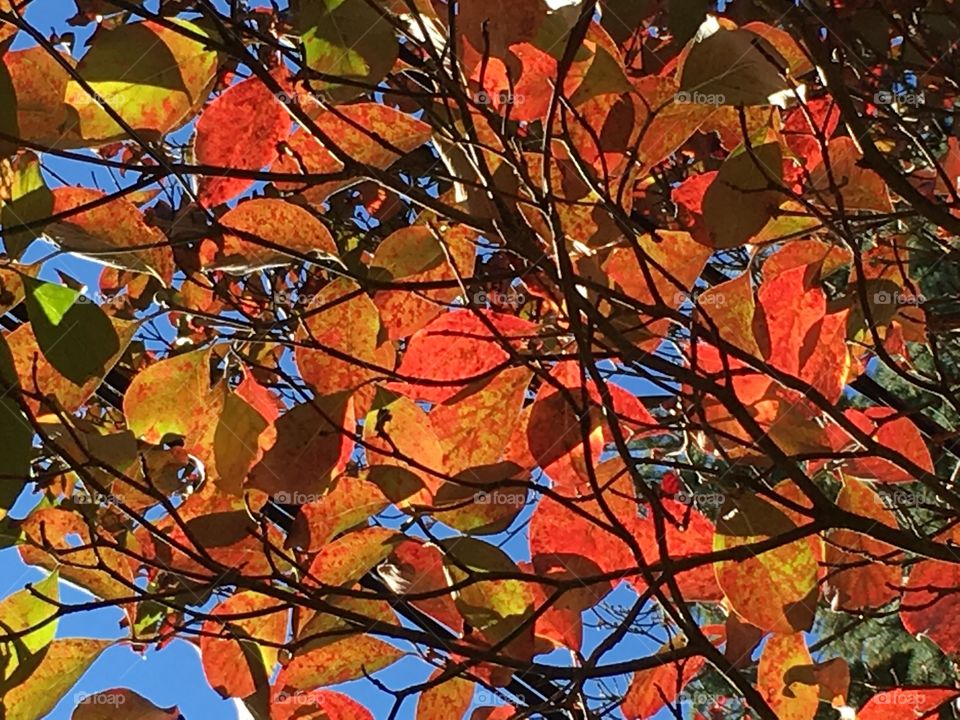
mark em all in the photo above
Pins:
pixel 238 130
pixel 906 704
pixel 651 689
pixel 234 662
pixel 449 699
pixel 456 349
pixel 315 705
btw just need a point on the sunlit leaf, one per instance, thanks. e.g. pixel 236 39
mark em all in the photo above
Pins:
pixel 651 689
pixel 311 449
pixel 348 39
pixel 64 661
pixel 782 654
pixel 235 661
pixel 775 590
pixel 30 201
pixel 450 698
pixel 278 225
pixel 239 130
pixel 154 89
pixel 336 662
pixel 26 610
pixel 862 572
pixel 110 232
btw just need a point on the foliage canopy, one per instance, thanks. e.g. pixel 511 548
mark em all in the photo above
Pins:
pixel 600 355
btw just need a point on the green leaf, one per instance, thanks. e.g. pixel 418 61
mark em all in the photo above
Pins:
pixel 74 334
pixel 350 39
pixel 64 661
pixel 30 200
pixel 18 612
pixel 154 77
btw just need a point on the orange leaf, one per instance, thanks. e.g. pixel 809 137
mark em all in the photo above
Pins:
pixel 862 572
pixel 234 662
pixel 238 130
pixel 789 700
pixel 651 689
pixel 456 349
pixel 449 699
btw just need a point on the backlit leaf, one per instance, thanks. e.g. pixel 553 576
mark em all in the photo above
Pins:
pixel 76 336
pixel 775 590
pixel 120 704
pixel 789 700
pixel 336 662
pixel 349 39
pixel 110 233
pixel 240 130
pixel 279 225
pixel 64 661
pixel 156 89
pixel 235 662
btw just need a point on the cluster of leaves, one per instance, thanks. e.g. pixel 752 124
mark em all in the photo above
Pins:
pixel 426 329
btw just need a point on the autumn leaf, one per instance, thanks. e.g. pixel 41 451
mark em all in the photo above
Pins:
pixel 348 39
pixel 499 609
pixel 249 145
pixel 64 322
pixel 862 572
pixel 349 502
pixel 336 662
pixel 110 232
pixel 324 704
pixel 782 654
pixel 258 231
pixel 311 449
pixel 449 698
pixel 63 662
pixel 651 689
pixel 458 348
pixel 29 200
pixel 121 704
pixel 733 67
pixel 929 597
pixel 16 434
pixel 235 662
pixel 905 703
pixel 27 611
pixel 346 559
pixel 155 91
pixel 774 590
pixel 341 334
